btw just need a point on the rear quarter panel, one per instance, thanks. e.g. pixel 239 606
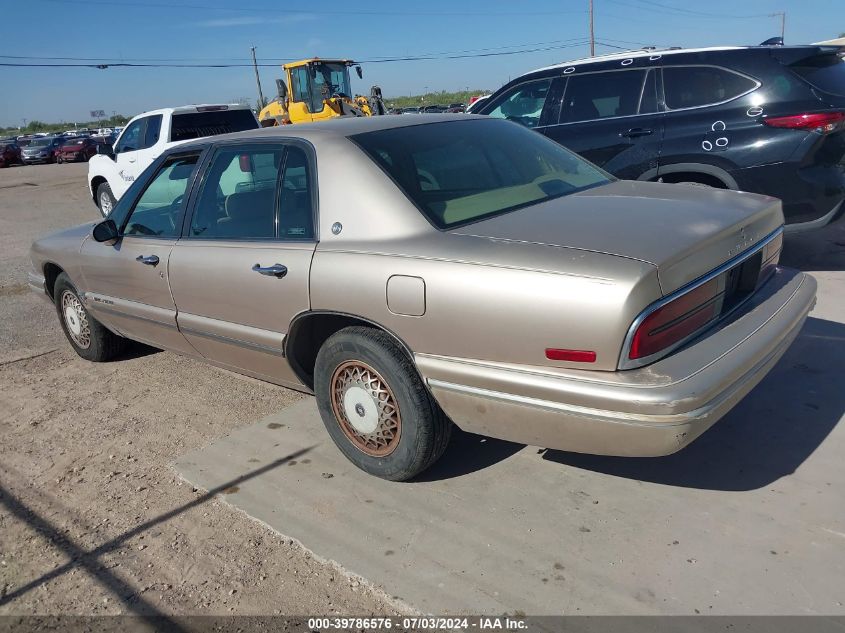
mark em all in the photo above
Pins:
pixel 493 301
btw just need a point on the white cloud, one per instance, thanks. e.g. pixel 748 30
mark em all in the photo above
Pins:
pixel 251 20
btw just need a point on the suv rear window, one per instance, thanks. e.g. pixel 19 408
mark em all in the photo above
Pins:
pixel 825 72
pixel 199 124
pixel 694 86
pixel 463 171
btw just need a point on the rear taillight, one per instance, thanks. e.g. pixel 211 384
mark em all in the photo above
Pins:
pixel 823 122
pixel 676 320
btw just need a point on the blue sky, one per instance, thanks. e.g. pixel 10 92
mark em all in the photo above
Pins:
pixel 195 31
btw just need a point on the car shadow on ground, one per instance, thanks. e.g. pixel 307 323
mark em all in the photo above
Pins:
pixel 820 249
pixel 768 435
pixel 468 453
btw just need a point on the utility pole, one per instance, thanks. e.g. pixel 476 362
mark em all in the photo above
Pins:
pixel 782 16
pixel 592 33
pixel 257 80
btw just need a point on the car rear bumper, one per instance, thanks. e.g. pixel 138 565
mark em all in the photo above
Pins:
pixel 651 411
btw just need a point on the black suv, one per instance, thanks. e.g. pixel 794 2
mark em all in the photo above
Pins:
pixel 766 119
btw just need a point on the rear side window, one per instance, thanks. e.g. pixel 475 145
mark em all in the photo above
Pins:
pixel 200 124
pixel 601 95
pixel 695 86
pixel 153 130
pixel 825 72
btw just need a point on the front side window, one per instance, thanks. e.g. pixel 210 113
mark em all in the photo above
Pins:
pixel 238 198
pixel 463 171
pixel 695 86
pixel 602 95
pixel 158 211
pixel 523 104
pixel 130 140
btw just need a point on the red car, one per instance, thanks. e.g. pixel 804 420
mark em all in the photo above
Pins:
pixel 10 154
pixel 76 149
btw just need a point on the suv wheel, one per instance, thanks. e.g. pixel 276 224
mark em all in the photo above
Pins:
pixel 105 199
pixel 375 407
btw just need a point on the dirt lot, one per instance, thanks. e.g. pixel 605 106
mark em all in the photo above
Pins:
pixel 92 519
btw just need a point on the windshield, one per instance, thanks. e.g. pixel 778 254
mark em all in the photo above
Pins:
pixel 315 83
pixel 463 171
pixel 41 142
pixel 75 141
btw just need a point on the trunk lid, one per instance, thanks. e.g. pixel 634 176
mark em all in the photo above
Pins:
pixel 684 230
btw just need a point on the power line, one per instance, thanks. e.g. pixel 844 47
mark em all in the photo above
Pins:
pixel 315 11
pixel 116 60
pixel 654 6
pixel 104 65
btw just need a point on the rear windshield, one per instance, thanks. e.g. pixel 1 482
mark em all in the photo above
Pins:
pixel 463 171
pixel 199 124
pixel 825 72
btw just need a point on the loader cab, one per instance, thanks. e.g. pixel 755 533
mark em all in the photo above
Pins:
pixel 312 82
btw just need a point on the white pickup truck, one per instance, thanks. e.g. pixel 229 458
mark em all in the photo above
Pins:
pixel 146 136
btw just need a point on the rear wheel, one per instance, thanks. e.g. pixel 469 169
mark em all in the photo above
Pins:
pixel 105 199
pixel 88 337
pixel 59 159
pixel 375 407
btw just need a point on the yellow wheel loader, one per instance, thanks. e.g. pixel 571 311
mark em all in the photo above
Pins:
pixel 316 89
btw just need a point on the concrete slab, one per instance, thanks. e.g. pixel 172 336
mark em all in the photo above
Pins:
pixel 749 519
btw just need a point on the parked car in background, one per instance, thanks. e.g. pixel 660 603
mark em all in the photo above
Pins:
pixel 456 107
pixel 766 119
pixel 79 149
pixel 43 150
pixel 475 102
pixel 457 270
pixel 147 135
pixel 10 153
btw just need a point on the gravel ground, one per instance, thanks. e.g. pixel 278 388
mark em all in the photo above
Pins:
pixel 92 518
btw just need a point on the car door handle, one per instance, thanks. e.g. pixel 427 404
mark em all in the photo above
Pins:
pixel 149 260
pixel 634 132
pixel 276 270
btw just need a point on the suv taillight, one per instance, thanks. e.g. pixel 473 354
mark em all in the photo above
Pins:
pixel 823 122
pixel 676 320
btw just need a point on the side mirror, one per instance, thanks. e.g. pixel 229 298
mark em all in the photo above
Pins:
pixel 360 72
pixel 105 231
pixel 105 149
pixel 282 89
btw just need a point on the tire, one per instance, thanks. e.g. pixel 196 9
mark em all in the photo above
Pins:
pixel 88 337
pixel 59 160
pixel 360 368
pixel 105 199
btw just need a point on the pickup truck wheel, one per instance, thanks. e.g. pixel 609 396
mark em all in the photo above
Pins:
pixel 375 407
pixel 86 335
pixel 105 199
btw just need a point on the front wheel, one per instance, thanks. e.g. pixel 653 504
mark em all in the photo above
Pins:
pixel 60 160
pixel 375 406
pixel 105 199
pixel 88 337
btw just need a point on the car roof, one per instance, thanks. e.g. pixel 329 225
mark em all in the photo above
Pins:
pixel 192 108
pixel 664 52
pixel 337 127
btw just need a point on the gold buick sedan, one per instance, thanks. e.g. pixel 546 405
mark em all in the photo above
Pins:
pixel 419 272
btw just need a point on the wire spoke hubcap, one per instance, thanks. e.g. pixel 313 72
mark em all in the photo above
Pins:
pixel 365 408
pixel 105 203
pixel 76 320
